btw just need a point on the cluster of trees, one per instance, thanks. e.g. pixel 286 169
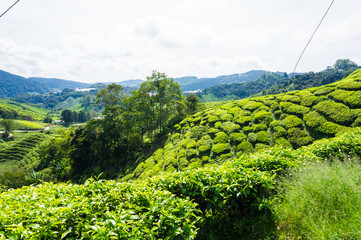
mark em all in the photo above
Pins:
pixel 130 124
pixel 8 113
pixel 69 116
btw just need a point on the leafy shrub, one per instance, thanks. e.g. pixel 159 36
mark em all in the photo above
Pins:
pixel 349 84
pixel 289 98
pixel 218 125
pixel 308 101
pixel 248 129
pixel 350 98
pixel 291 121
pixel 282 142
pixel 314 119
pixel 338 112
pixel 220 148
pixel 260 115
pixel 330 128
pixel 252 137
pixel 230 127
pixel 237 137
pixel 95 210
pixel 298 137
pixel 251 105
pixel 204 144
pixel 221 137
pixel 243 120
pixel 323 91
pixel 192 144
pixel 213 118
pixel 294 108
pixel 261 146
pixel 262 137
pixel 245 146
pixel 226 117
pixel 279 132
pixel 259 127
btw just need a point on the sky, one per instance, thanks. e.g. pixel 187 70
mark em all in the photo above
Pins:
pixel 116 40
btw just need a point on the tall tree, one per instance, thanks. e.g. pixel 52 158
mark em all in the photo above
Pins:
pixel 8 126
pixel 344 65
pixel 163 96
pixel 192 103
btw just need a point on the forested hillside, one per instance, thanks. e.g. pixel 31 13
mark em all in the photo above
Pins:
pixel 192 83
pixel 235 91
pixel 274 83
pixel 12 85
pixel 341 69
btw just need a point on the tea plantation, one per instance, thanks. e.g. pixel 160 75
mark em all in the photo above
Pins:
pixel 292 119
pixel 215 178
pixel 179 205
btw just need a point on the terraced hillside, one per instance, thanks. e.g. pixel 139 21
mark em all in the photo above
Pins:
pixel 292 119
pixel 11 109
pixel 12 154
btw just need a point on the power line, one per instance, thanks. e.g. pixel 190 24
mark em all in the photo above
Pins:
pixel 9 8
pixel 319 24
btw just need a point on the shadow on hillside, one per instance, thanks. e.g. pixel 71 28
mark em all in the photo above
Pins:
pixel 254 225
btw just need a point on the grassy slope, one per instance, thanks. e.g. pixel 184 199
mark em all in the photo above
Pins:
pixel 12 152
pixel 291 119
pixel 23 109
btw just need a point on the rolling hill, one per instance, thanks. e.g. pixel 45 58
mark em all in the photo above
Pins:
pixel 292 119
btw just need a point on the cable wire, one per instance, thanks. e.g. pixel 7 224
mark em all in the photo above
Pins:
pixel 319 24
pixel 9 8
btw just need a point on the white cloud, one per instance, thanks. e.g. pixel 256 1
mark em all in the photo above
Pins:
pixel 95 40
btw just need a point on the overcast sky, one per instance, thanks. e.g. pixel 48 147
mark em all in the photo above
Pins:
pixel 115 40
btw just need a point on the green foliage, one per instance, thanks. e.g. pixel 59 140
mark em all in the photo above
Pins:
pixel 242 89
pixel 311 80
pixel 349 98
pixel 96 210
pixel 313 119
pixel 259 116
pixel 337 112
pixel 320 202
pixel 221 137
pixel 262 137
pixel 243 120
pixel 220 148
pixel 192 103
pixel 298 137
pixel 350 84
pixel 294 108
pixel 230 127
pixel 8 126
pixel 237 137
pixel 251 105
pixel 291 121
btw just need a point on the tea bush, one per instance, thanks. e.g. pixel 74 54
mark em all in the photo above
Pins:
pixel 95 210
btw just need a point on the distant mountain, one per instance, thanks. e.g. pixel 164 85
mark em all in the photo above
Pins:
pixel 241 90
pixel 192 83
pixel 59 84
pixel 12 85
